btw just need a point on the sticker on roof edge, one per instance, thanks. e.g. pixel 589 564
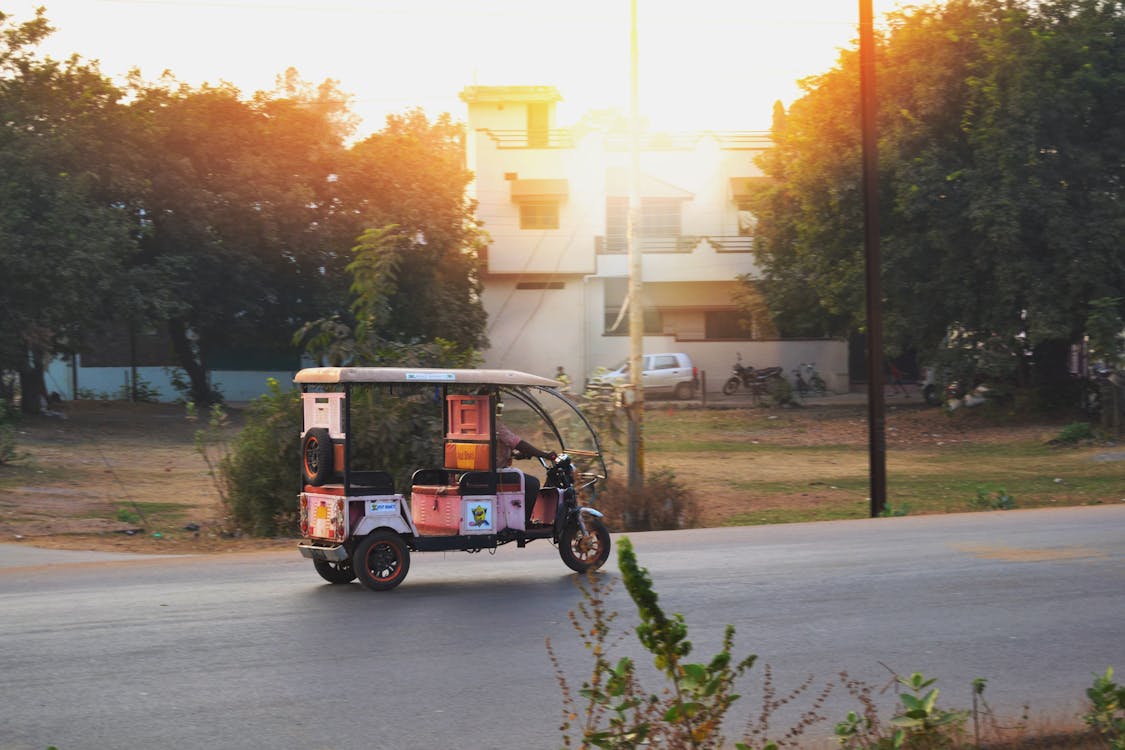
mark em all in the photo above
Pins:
pixel 431 376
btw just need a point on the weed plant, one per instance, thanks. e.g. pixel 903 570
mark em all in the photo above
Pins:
pixel 987 499
pixel 614 709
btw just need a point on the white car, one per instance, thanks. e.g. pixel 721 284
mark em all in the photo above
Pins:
pixel 671 374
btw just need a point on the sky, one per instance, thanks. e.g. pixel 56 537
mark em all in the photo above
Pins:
pixel 703 64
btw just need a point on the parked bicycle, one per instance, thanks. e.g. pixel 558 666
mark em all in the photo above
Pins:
pixel 807 381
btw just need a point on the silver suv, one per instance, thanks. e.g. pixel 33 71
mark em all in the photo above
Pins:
pixel 671 374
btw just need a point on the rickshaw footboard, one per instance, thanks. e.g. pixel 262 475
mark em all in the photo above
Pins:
pixel 333 553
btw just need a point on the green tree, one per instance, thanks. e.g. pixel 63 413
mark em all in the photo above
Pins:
pixel 239 222
pixel 1000 183
pixel 414 301
pixel 415 267
pixel 65 231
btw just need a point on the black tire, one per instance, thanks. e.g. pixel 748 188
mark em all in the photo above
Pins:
pixel 341 572
pixel 929 392
pixel 381 560
pixel 730 386
pixel 316 457
pixel 684 391
pixel 584 552
pixel 819 386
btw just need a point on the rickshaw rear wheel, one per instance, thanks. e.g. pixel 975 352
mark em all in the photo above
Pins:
pixel 381 560
pixel 316 456
pixel 341 572
pixel 584 552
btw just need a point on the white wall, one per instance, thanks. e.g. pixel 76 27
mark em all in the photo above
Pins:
pixel 236 386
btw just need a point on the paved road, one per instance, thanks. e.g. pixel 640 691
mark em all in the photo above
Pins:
pixel 254 651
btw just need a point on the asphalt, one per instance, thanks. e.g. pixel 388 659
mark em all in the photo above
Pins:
pixel 24 556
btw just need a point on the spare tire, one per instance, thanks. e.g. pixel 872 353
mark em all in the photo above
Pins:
pixel 316 457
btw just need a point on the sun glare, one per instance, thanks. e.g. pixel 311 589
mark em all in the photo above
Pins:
pixel 710 64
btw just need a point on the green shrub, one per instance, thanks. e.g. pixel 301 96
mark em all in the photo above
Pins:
pixel 1107 709
pixel 144 391
pixel 663 503
pixel 1075 432
pixel 780 391
pixel 260 473
pixel 892 511
pixel 919 725
pixel 992 499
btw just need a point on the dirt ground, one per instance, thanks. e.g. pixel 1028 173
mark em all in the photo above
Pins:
pixel 92 479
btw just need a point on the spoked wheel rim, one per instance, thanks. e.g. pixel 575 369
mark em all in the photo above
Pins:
pixel 382 562
pixel 585 551
pixel 585 547
pixel 312 456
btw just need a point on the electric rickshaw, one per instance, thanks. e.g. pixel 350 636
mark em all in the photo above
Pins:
pixel 363 520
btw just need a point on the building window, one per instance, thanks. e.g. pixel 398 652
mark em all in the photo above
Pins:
pixel 538 125
pixel 720 325
pixel 747 221
pixel 616 323
pixel 529 285
pixel 539 214
pixel 660 219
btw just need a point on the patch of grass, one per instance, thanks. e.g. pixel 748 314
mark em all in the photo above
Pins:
pixel 149 513
pixel 26 471
pixel 846 511
pixel 930 479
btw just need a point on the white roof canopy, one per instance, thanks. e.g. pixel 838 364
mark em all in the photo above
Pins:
pixel 327 375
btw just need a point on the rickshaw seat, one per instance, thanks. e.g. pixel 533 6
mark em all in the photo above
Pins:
pixel 430 477
pixel 372 482
pixel 510 480
pixel 478 483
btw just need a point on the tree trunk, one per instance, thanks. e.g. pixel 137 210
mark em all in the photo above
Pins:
pixel 1051 374
pixel 193 365
pixel 33 384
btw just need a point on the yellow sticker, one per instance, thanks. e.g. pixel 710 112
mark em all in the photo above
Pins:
pixel 322 511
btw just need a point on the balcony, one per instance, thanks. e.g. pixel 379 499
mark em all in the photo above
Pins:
pixel 748 140
pixel 684 243
pixel 524 139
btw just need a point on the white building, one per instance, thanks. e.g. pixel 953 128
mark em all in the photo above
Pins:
pixel 554 204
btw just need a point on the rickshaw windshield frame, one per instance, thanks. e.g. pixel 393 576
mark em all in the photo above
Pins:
pixel 526 395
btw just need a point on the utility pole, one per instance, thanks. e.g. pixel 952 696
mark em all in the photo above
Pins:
pixel 636 407
pixel 877 445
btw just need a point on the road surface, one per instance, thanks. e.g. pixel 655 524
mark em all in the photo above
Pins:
pixel 255 651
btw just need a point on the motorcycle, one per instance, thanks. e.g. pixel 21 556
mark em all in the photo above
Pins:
pixel 750 378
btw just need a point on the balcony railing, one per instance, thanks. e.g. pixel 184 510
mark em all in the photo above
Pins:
pixel 683 243
pixel 754 140
pixel 748 140
pixel 532 138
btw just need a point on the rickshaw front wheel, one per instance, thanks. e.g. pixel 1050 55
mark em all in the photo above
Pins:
pixel 341 572
pixel 584 552
pixel 381 560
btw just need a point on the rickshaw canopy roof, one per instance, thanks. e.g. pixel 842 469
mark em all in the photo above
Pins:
pixel 326 375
